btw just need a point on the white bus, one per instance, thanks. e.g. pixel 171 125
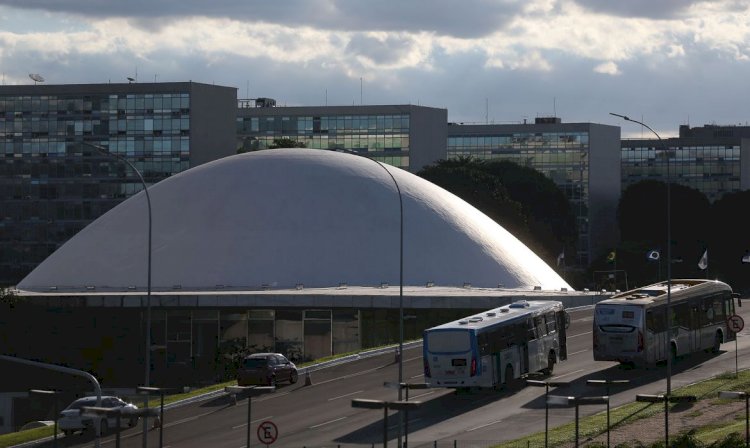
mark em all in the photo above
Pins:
pixel 496 347
pixel 631 327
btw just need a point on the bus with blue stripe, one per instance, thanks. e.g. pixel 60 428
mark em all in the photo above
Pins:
pixel 498 347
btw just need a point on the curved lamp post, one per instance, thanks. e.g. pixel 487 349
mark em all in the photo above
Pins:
pixel 147 378
pixel 400 283
pixel 667 342
pixel 667 348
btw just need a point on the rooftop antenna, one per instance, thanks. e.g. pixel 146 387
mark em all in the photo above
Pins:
pixel 247 89
pixel 554 106
pixel 156 75
pixel 360 92
pixel 486 111
pixel 35 76
pixel 326 97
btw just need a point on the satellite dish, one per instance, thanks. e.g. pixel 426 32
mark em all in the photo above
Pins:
pixel 131 79
pixel 36 77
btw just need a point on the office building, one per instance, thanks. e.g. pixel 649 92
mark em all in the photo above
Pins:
pixel 52 185
pixel 712 159
pixel 404 136
pixel 581 158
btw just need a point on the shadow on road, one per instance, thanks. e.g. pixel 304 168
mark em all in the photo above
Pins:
pixel 446 407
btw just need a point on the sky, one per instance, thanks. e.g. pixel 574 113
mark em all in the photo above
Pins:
pixel 663 62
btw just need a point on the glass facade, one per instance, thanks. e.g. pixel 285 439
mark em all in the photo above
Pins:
pixel 384 138
pixel 51 186
pixel 713 170
pixel 561 156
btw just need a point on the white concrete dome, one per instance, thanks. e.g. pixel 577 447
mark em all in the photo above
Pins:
pixel 289 216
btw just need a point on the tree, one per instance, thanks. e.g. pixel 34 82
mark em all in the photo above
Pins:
pixel 286 143
pixel 642 218
pixel 729 240
pixel 520 199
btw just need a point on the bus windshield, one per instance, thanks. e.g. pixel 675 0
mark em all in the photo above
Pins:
pixel 449 341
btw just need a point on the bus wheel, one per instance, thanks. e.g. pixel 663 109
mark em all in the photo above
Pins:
pixel 550 364
pixel 717 343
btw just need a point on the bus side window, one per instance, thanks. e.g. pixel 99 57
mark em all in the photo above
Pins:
pixel 541 328
pixel 531 329
pixel 551 322
pixel 656 320
pixel 681 316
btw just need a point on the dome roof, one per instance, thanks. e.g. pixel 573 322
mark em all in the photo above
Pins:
pixel 288 216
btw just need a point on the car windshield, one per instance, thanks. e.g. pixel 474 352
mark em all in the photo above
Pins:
pixel 251 363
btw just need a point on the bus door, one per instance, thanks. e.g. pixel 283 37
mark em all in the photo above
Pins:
pixel 681 328
pixel 696 327
pixel 725 308
pixel 656 334
pixel 563 320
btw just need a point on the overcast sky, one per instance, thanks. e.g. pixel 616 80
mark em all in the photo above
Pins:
pixel 666 62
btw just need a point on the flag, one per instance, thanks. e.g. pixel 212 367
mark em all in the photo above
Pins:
pixel 746 257
pixel 703 262
pixel 653 255
pixel 611 257
pixel 561 258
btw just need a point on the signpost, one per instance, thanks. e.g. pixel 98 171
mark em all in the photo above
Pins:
pixel 736 324
pixel 267 432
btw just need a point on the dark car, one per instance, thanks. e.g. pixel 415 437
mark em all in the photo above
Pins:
pixel 266 369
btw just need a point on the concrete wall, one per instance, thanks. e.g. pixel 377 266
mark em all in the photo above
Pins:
pixel 213 112
pixel 428 137
pixel 604 188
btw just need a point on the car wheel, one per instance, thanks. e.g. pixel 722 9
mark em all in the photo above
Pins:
pixel 293 377
pixel 272 381
pixel 67 432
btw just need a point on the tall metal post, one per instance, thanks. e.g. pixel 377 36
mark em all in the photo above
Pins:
pixel 747 420
pixel 249 413
pixel 576 401
pixel 668 341
pixel 385 425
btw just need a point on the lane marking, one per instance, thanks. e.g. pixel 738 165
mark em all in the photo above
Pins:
pixel 328 423
pixel 413 359
pixel 253 421
pixel 580 351
pixel 422 395
pixel 345 395
pixel 416 376
pixel 483 426
pixel 568 374
pixel 580 334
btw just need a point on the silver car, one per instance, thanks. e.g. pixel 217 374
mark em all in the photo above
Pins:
pixel 71 419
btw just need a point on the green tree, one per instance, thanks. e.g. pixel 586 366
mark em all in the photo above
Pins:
pixel 286 143
pixel 642 218
pixel 729 240
pixel 520 199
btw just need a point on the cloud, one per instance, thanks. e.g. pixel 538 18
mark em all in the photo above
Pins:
pixel 468 18
pixel 661 9
pixel 607 68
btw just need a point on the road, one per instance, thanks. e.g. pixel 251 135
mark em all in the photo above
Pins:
pixel 321 415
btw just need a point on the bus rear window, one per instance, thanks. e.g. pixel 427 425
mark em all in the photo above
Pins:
pixel 448 341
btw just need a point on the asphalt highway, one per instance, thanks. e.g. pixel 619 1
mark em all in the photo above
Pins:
pixel 320 415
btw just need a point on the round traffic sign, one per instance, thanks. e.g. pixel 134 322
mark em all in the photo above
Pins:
pixel 267 432
pixel 735 323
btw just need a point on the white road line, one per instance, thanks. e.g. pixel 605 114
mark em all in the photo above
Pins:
pixel 327 423
pixel 567 374
pixel 345 395
pixel 413 359
pixel 253 421
pixel 579 334
pixel 483 426
pixel 270 396
pixel 346 376
pixel 580 351
pixel 417 376
pixel 422 395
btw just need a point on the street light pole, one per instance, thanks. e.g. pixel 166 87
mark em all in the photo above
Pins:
pixel 400 287
pixel 668 345
pixel 147 359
